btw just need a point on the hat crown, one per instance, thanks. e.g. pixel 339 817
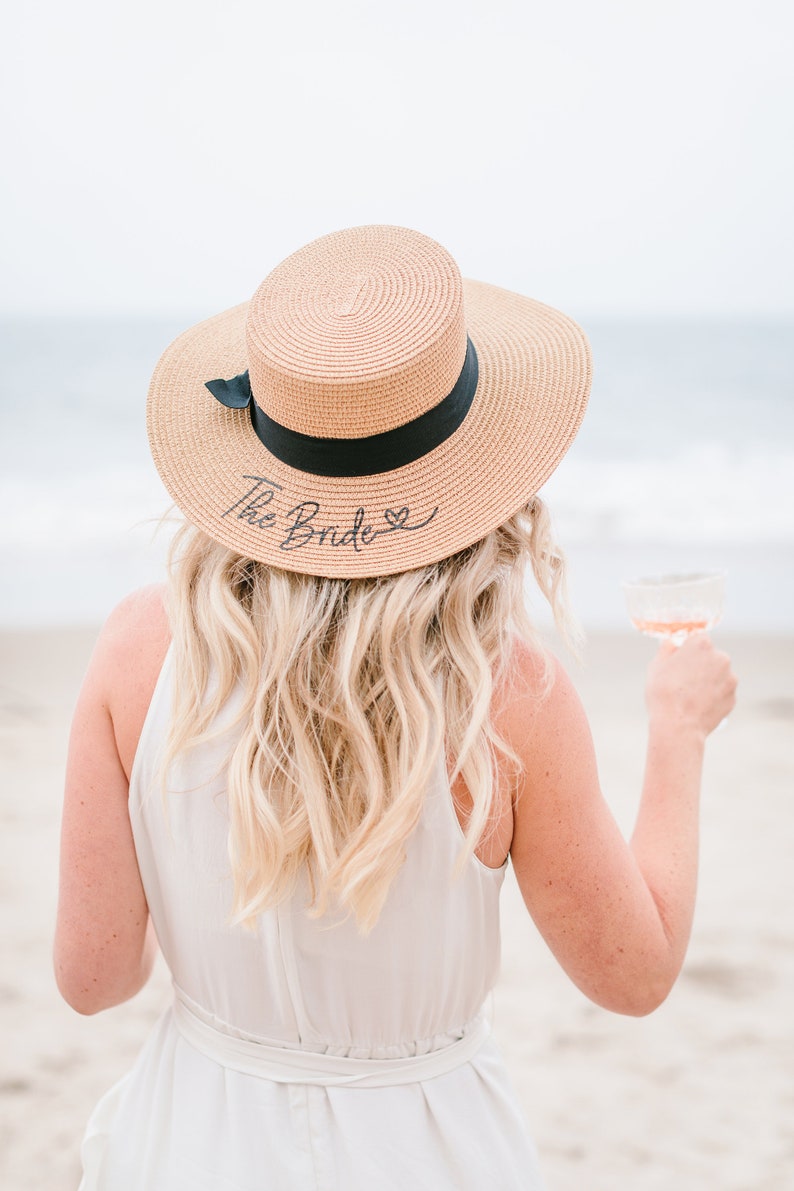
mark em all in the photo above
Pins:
pixel 357 333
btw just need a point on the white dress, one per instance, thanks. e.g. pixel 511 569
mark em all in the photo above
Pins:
pixel 301 1055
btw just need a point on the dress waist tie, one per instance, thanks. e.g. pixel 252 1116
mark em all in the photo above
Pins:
pixel 285 1065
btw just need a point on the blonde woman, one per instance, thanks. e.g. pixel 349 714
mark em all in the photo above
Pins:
pixel 304 766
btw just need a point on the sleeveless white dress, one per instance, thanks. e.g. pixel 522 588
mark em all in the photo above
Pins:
pixel 301 1055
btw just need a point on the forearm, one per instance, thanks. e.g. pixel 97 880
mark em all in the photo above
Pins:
pixel 665 838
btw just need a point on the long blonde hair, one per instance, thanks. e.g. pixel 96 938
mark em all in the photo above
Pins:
pixel 350 690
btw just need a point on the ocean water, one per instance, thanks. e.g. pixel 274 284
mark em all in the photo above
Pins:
pixel 685 461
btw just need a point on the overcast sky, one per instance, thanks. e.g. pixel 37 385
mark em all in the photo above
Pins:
pixel 613 157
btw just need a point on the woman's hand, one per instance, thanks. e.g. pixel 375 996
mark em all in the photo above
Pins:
pixel 691 684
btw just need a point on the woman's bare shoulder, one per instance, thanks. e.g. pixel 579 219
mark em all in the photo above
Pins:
pixel 138 619
pixel 127 660
pixel 536 695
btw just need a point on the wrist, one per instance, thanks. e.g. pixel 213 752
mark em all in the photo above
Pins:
pixel 670 726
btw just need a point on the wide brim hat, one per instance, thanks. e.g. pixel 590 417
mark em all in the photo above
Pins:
pixel 368 411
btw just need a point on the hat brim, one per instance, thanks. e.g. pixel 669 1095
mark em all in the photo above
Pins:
pixel 534 381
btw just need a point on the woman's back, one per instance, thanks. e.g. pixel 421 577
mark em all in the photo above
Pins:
pixel 300 1053
pixel 318 983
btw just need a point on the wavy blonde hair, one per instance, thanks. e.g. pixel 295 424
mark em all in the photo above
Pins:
pixel 351 688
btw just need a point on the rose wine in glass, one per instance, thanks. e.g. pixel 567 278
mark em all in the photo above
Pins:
pixel 674 606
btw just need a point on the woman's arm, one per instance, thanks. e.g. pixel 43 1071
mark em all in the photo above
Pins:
pixel 104 945
pixel 616 915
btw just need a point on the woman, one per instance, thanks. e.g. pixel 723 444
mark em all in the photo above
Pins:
pixel 304 768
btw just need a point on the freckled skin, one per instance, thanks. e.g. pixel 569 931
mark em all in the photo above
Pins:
pixel 104 944
pixel 617 915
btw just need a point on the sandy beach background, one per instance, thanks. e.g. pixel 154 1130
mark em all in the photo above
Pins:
pixel 699 1096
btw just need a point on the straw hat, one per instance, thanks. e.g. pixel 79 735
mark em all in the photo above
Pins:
pixel 368 411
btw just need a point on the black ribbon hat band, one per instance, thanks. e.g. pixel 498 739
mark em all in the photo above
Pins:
pixel 368 456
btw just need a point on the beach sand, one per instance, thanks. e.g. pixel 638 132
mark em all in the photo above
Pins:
pixel 699 1096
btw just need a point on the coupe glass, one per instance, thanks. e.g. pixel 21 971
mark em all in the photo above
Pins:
pixel 675 605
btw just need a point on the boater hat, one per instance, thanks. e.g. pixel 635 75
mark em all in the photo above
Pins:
pixel 368 411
